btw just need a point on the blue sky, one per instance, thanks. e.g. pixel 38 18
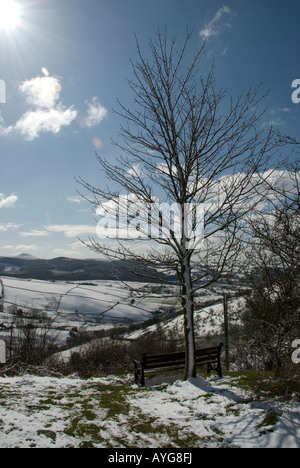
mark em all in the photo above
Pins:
pixel 64 65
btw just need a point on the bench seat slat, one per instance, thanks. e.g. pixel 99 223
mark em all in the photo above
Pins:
pixel 164 364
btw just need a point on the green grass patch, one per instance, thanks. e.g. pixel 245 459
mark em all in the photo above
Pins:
pixel 263 385
pixel 47 433
pixel 270 420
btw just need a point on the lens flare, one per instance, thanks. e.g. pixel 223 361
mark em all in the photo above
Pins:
pixel 9 14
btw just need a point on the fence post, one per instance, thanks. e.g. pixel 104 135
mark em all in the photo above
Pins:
pixel 1 296
pixel 226 330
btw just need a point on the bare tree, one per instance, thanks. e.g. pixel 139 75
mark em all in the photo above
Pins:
pixel 184 143
pixel 33 337
pixel 271 319
pixel 275 235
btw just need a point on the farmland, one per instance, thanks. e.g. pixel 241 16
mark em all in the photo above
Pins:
pixel 103 304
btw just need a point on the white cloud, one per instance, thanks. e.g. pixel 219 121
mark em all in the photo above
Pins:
pixel 72 230
pixel 20 248
pixel 4 227
pixel 48 114
pixel 32 124
pixel 74 250
pixel 95 114
pixel 8 202
pixel 34 233
pixel 135 171
pixel 74 199
pixel 213 27
pixel 41 91
pixel 279 117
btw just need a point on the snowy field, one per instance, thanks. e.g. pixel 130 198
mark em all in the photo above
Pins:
pixel 99 305
pixel 47 412
pixel 79 304
pixel 112 412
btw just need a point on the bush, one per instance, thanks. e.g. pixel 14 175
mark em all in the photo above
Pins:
pixel 108 355
pixel 101 356
pixel 33 337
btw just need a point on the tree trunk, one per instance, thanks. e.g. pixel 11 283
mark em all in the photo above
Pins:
pixel 188 311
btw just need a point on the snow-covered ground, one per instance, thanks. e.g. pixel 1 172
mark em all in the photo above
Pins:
pixel 90 305
pixel 112 411
pixel 103 305
pixel 47 412
pixel 208 320
pixel 98 305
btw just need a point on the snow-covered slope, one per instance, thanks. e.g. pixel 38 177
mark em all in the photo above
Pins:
pixel 98 305
pixel 81 303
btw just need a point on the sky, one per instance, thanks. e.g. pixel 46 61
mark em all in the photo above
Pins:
pixel 65 63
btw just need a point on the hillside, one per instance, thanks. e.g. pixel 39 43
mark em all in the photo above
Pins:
pixel 70 269
pixel 99 305
pixel 90 306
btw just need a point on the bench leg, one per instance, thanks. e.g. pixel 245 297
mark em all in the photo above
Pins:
pixel 137 372
pixel 142 378
pixel 143 365
pixel 217 369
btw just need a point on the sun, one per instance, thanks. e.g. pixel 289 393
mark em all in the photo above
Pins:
pixel 9 14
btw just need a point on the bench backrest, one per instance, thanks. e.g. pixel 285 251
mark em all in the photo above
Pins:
pixel 203 356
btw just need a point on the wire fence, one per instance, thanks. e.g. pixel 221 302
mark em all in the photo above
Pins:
pixel 55 302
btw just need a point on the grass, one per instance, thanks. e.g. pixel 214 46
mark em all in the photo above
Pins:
pixel 270 420
pixel 88 425
pixel 113 400
pixel 99 414
pixel 47 433
pixel 132 424
pixel 263 385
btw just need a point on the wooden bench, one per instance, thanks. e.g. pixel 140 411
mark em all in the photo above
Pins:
pixel 153 363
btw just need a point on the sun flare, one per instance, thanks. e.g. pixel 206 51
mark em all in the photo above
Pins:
pixel 9 14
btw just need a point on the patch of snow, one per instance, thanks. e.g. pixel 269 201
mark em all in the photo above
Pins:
pixel 37 412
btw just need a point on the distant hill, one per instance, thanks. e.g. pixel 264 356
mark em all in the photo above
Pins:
pixel 26 256
pixel 68 269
